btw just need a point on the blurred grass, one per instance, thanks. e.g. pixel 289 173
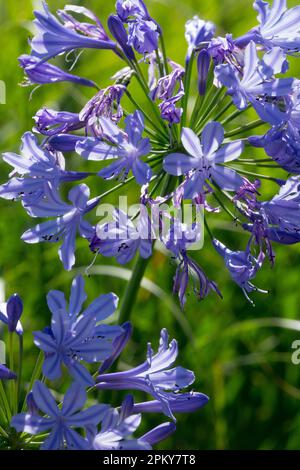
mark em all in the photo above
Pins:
pixel 240 356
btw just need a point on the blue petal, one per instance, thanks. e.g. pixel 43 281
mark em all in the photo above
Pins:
pixel 102 307
pixel 44 400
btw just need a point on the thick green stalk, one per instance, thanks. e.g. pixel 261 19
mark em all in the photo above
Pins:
pixel 35 375
pixel 132 289
pixel 20 370
pixel 187 83
pixel 5 402
pixel 138 272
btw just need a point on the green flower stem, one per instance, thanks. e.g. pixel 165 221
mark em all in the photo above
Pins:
pixel 196 110
pixel 5 402
pixel 223 111
pixel 20 370
pixel 187 83
pixel 146 91
pixel 35 375
pixel 3 432
pixel 12 384
pixel 132 289
pixel 211 107
pixel 226 209
pixel 248 127
pixel 136 105
pixel 208 229
pixel 234 115
pixel 256 175
pixel 160 65
pixel 164 52
pixel 138 272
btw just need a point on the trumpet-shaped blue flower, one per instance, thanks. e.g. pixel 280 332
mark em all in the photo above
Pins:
pixel 122 239
pixel 6 374
pixel 118 426
pixel 178 240
pixel 257 81
pixel 205 160
pixel 154 376
pixel 75 336
pixel 54 37
pixel 42 73
pixel 70 219
pixel 41 171
pixel 60 421
pixel 126 148
pixel 50 122
pixel 198 31
pixel 242 266
pixel 279 27
pixel 128 9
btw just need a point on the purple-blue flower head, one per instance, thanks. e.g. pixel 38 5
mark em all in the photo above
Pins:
pixel 76 336
pixel 126 148
pixel 154 376
pixel 257 80
pixel 106 103
pixel 205 160
pixel 178 240
pixel 42 73
pixel 279 26
pixel 50 122
pixel 198 31
pixel 116 429
pixel 41 171
pixel 54 37
pixel 5 373
pixel 242 266
pixel 122 238
pixel 11 312
pixel 129 9
pixel 60 421
pixel 70 219
pixel 143 36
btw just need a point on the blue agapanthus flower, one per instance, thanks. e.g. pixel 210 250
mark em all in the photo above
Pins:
pixel 77 336
pixel 242 266
pixel 198 31
pixel 11 312
pixel 54 37
pixel 154 376
pixel 60 421
pixel 40 172
pixel 257 81
pixel 279 26
pixel 126 148
pixel 205 160
pixel 118 426
pixel 42 73
pixel 6 374
pixel 123 238
pixel 70 219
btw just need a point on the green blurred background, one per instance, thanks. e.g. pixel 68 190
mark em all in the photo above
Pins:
pixel 241 355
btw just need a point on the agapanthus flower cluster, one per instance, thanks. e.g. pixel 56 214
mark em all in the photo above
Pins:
pixel 79 337
pixel 186 143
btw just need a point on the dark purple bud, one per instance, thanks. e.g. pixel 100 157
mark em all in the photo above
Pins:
pixel 31 404
pixel 118 31
pixel 203 69
pixel 158 434
pixel 127 407
pixel 14 309
pixel 6 374
pixel 64 142
pixel 119 344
